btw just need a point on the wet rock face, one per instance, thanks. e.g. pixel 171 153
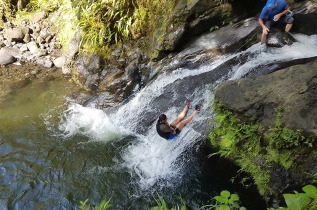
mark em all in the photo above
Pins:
pixel 293 88
pixel 88 68
pixel 305 18
pixel 191 19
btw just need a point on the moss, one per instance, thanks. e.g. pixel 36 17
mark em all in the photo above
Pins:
pixel 255 148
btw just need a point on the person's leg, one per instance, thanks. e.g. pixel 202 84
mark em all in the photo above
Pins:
pixel 268 24
pixel 180 117
pixel 288 27
pixel 263 38
pixel 289 23
pixel 181 124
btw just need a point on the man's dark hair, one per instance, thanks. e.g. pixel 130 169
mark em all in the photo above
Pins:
pixel 162 117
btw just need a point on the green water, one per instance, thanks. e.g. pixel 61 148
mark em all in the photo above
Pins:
pixel 41 168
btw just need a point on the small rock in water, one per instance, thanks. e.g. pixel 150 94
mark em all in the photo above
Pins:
pixel 45 62
pixel 6 59
pixel 59 62
pixel 17 63
pixel 34 72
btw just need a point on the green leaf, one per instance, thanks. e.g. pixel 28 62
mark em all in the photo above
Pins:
pixel 223 207
pixel 221 199
pixel 297 201
pixel 235 197
pixel 311 191
pixel 225 194
pixel 242 208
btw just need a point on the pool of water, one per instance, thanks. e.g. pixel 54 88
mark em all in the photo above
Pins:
pixel 42 167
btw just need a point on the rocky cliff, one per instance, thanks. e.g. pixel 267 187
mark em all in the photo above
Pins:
pixel 268 125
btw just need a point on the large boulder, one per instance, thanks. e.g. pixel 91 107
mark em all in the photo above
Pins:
pixel 305 17
pixel 14 34
pixel 293 88
pixel 59 62
pixel 6 58
pixel 277 38
pixel 192 18
pixel 11 51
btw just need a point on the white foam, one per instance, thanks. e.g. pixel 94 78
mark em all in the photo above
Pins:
pixel 90 122
pixel 305 47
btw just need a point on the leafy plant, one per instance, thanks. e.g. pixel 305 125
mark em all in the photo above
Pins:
pixel 302 201
pixel 225 201
pixel 85 205
pixel 161 204
pixel 213 28
pixel 256 148
pixel 281 137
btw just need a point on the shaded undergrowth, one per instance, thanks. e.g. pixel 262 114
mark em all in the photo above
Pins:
pixel 257 149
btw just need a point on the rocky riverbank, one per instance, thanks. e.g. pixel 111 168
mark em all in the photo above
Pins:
pixel 33 41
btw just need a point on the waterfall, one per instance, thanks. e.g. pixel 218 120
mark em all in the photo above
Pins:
pixel 148 157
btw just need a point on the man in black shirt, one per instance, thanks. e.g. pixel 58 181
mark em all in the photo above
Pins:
pixel 170 131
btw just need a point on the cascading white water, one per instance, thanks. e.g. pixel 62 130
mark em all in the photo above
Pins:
pixel 150 157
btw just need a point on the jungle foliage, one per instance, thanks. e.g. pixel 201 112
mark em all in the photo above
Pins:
pixel 102 23
pixel 225 201
pixel 256 148
pixel 304 201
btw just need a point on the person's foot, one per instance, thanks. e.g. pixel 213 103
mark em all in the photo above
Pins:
pixel 188 104
pixel 197 107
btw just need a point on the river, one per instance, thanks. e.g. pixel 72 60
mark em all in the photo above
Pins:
pixel 55 152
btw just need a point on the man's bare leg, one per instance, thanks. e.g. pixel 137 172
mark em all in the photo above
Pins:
pixel 180 117
pixel 263 38
pixel 288 27
pixel 181 124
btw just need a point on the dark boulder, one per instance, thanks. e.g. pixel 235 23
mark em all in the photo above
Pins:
pixel 305 17
pixel 88 68
pixel 293 88
pixel 192 19
pixel 305 23
pixel 277 38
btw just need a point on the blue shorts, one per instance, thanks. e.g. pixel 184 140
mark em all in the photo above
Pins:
pixel 172 136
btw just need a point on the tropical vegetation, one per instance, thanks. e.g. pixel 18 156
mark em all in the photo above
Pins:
pixel 256 148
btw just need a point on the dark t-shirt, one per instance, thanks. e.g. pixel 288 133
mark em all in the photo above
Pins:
pixel 163 130
pixel 267 14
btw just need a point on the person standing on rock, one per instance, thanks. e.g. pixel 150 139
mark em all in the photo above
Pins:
pixel 170 131
pixel 275 12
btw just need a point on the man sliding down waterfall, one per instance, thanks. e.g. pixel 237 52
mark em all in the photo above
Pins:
pixel 171 131
pixel 275 11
